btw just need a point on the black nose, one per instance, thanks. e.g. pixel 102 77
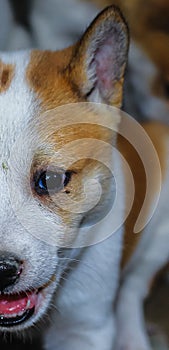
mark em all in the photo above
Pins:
pixel 10 270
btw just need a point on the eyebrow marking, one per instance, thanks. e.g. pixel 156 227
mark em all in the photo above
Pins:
pixel 6 75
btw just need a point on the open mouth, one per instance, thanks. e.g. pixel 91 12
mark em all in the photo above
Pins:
pixel 17 308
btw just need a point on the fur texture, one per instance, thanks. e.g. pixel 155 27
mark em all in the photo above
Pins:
pixel 75 291
pixel 34 82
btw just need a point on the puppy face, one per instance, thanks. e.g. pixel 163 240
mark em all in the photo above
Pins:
pixel 43 171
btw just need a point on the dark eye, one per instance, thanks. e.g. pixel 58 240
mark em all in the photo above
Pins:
pixel 50 182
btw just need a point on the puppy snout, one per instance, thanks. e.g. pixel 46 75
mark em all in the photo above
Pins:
pixel 10 270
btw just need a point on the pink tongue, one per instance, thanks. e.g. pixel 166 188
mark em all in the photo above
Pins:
pixel 14 304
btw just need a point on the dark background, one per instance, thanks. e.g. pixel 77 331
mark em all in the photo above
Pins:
pixel 21 11
pixel 13 344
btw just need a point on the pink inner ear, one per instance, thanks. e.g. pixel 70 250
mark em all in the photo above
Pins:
pixel 104 61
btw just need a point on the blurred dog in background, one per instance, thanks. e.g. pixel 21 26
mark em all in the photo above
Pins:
pixel 147 90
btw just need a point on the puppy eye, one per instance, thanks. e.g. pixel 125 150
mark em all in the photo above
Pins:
pixel 50 182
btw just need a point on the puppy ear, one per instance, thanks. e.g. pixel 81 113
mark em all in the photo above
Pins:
pixel 99 58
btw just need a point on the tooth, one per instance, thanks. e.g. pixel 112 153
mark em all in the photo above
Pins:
pixel 12 315
pixel 21 313
pixel 28 304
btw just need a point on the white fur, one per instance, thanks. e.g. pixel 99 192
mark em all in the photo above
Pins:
pixel 16 114
pixel 83 301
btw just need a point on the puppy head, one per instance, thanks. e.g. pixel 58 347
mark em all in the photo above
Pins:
pixel 43 167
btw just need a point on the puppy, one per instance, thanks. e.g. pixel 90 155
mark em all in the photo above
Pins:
pixel 45 282
pixel 48 277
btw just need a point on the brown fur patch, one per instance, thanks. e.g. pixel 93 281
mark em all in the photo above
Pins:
pixel 67 76
pixel 46 76
pixel 158 135
pixel 60 78
pixel 82 170
pixel 6 75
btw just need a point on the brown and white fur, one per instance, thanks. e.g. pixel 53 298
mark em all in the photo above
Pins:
pixel 35 82
pixel 76 288
pixel 146 97
pixel 55 24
